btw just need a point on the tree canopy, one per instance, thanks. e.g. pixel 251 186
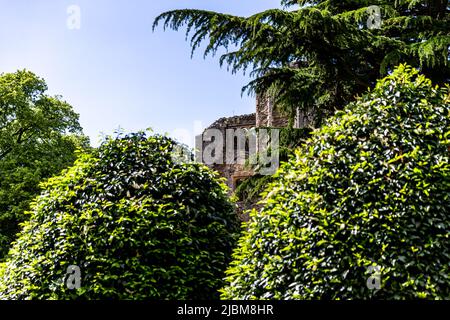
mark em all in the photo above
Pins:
pixel 39 135
pixel 318 55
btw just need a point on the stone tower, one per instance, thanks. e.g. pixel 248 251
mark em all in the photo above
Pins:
pixel 266 116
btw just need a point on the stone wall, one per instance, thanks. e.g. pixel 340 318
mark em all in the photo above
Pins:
pixel 303 119
pixel 233 173
pixel 243 121
pixel 267 115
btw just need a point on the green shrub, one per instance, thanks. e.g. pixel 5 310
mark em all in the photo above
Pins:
pixel 138 224
pixel 250 189
pixel 369 189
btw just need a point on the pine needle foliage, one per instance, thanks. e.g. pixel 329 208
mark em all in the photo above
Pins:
pixel 319 55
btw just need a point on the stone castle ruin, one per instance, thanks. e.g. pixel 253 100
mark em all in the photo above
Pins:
pixel 266 116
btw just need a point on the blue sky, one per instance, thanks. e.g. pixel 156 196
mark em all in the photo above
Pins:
pixel 115 71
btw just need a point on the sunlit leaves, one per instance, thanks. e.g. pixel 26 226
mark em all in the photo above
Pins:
pixel 370 188
pixel 137 224
pixel 39 136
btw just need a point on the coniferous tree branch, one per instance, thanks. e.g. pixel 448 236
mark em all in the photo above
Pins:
pixel 336 56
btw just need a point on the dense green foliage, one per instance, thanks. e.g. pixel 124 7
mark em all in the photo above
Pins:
pixel 250 189
pixel 317 55
pixel 138 224
pixel 39 136
pixel 291 139
pixel 370 188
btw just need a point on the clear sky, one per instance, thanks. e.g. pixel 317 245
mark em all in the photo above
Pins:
pixel 115 71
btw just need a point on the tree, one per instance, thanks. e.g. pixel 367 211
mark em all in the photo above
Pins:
pixel 138 225
pixel 321 54
pixel 362 211
pixel 39 136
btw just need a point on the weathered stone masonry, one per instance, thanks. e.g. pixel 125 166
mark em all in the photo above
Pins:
pixel 266 116
pixel 234 173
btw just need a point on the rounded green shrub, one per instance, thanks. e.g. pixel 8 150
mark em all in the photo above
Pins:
pixel 127 222
pixel 363 209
